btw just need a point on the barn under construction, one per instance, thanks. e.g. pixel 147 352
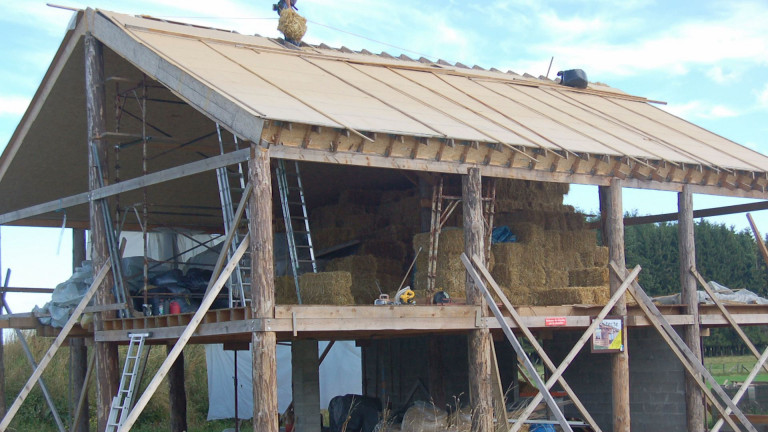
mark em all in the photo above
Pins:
pixel 333 179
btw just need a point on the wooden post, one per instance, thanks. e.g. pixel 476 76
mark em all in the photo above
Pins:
pixel 107 373
pixel 177 393
pixel 614 218
pixel 694 398
pixel 78 352
pixel 480 390
pixel 264 343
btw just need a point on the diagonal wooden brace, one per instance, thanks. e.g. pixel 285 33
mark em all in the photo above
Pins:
pixel 580 344
pixel 46 360
pixel 521 355
pixel 532 340
pixel 684 354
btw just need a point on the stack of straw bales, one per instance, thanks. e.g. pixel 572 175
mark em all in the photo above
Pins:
pixel 365 271
pixel 327 288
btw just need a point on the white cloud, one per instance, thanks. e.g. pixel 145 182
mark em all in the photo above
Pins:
pixel 719 76
pixel 762 97
pixel 701 110
pixel 13 105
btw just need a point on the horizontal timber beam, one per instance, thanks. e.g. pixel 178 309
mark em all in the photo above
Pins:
pixel 129 185
pixel 715 211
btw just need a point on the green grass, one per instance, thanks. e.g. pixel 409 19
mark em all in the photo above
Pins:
pixel 733 368
pixel 34 414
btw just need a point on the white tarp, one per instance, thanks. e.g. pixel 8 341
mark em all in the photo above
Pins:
pixel 340 373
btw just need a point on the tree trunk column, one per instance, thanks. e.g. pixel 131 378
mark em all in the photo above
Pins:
pixel 614 230
pixel 78 352
pixel 177 393
pixel 694 398
pixel 264 343
pixel 106 353
pixel 479 339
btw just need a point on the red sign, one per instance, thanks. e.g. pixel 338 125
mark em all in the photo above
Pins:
pixel 554 322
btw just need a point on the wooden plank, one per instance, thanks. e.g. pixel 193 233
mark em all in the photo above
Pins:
pixel 184 338
pixel 684 354
pixel 518 320
pixel 46 360
pixel 374 312
pixel 714 211
pixel 26 290
pixel 522 355
pixel 758 238
pixel 694 399
pixel 128 185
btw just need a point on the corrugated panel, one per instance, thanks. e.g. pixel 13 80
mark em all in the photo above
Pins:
pixel 232 79
pixel 380 94
pixel 325 92
pixel 660 131
pixel 712 141
pixel 458 122
pixel 187 30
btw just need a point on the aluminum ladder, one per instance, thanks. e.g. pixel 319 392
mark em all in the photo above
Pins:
pixel 121 404
pixel 240 282
pixel 294 206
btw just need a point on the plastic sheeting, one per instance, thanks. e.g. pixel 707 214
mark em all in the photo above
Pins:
pixel 340 373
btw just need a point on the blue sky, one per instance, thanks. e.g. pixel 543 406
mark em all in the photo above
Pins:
pixel 706 59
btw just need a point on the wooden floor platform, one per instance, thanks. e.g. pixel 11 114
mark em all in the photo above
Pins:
pixel 361 322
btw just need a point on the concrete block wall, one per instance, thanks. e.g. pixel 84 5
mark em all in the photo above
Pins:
pixel 657 387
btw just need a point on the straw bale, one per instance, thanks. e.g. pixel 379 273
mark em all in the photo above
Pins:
pixel 354 264
pixel 329 237
pixel 574 221
pixel 330 288
pixel 507 253
pixel 507 275
pixel 389 267
pixel 573 260
pixel 571 295
pixel 360 222
pixel 285 290
pixel 396 232
pixel 533 277
pixel 601 256
pixel 589 276
pixel 557 278
pixel 518 295
pixel 385 248
pixel 292 25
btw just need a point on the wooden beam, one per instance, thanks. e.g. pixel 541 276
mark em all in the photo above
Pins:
pixel 715 211
pixel 481 396
pixel 694 398
pixel 758 239
pixel 46 360
pixel 80 366
pixel 107 374
pixel 619 361
pixel 177 394
pixel 518 321
pixel 178 347
pixel 263 343
pixel 174 173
